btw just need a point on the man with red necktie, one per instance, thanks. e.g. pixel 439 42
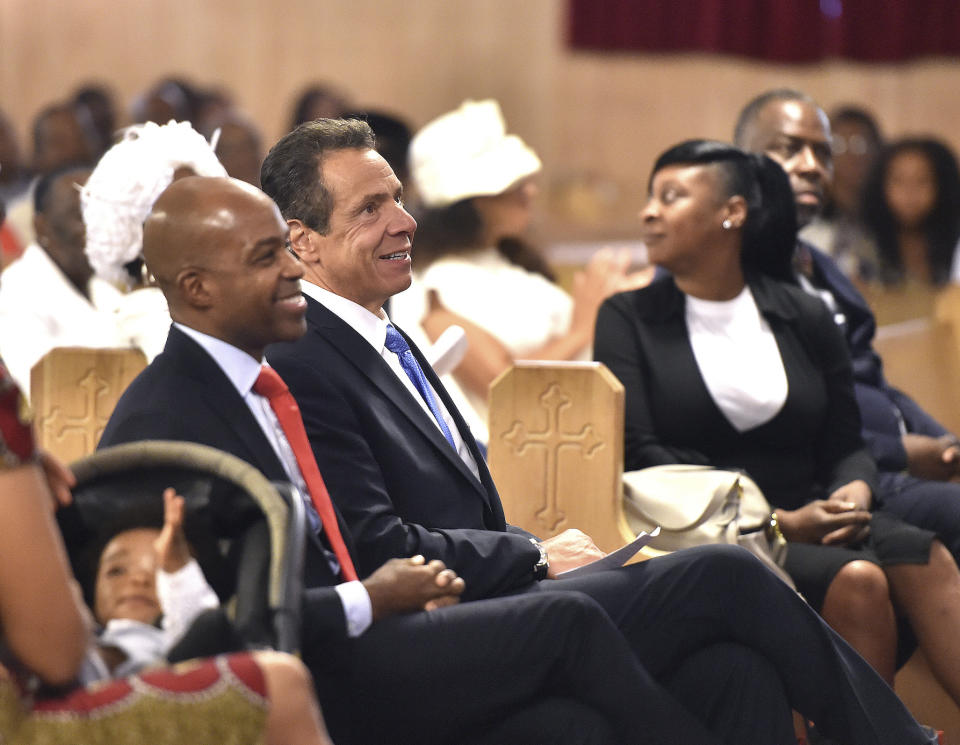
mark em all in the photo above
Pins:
pixel 395 657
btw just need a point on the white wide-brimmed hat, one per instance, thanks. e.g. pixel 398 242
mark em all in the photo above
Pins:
pixel 468 153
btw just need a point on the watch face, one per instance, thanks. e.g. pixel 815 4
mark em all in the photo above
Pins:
pixel 541 567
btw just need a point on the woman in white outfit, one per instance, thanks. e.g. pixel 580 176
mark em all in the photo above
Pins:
pixel 472 266
pixel 116 200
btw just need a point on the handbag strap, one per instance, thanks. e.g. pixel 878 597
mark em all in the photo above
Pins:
pixel 717 500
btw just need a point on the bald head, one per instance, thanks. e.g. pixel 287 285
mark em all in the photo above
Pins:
pixel 192 218
pixel 218 248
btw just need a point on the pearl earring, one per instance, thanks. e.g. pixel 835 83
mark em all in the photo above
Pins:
pixel 727 224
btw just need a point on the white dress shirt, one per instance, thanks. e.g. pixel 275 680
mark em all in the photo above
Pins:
pixel 243 370
pixel 373 329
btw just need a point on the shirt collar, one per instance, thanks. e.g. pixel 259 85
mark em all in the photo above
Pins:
pixel 370 326
pixel 770 300
pixel 241 369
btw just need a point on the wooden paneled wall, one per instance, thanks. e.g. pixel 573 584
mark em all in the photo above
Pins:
pixel 597 120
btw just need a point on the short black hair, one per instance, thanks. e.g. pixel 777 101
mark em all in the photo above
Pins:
pixel 41 193
pixel 860 116
pixel 749 112
pixel 770 231
pixel 393 137
pixel 291 172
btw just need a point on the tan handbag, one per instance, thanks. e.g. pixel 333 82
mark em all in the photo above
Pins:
pixel 697 505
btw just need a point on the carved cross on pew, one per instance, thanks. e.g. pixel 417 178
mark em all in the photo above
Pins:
pixel 90 422
pixel 73 391
pixel 552 439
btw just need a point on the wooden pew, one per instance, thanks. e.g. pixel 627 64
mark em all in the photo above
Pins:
pixel 922 358
pixel 73 392
pixel 556 449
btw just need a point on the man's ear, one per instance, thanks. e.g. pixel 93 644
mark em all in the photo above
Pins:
pixel 193 286
pixel 301 240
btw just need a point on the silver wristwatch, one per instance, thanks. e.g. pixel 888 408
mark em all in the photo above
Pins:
pixel 543 564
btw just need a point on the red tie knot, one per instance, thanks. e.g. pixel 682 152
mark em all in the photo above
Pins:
pixel 269 384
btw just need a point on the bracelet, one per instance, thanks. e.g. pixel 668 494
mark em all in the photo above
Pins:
pixel 772 529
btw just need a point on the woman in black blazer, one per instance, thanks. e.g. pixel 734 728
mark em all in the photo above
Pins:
pixel 727 362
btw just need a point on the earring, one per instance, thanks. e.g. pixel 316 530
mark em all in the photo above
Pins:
pixel 727 224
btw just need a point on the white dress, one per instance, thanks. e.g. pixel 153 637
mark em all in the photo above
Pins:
pixel 40 310
pixel 521 309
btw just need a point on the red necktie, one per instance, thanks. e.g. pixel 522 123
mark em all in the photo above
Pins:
pixel 271 386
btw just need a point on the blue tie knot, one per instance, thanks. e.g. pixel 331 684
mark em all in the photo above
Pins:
pixel 395 341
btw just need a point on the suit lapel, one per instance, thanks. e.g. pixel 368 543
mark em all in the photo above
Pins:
pixel 358 352
pixel 225 401
pixel 837 283
pixel 228 404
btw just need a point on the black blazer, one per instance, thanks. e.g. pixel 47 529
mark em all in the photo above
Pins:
pixel 809 448
pixel 882 407
pixel 400 486
pixel 184 395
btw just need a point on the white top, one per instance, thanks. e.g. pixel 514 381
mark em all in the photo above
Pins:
pixel 141 316
pixel 373 329
pixel 41 310
pixel 738 358
pixel 523 310
pixel 183 596
pixel 955 265
pixel 243 371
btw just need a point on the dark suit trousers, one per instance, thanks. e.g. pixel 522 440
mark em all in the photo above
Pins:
pixel 495 671
pixel 675 606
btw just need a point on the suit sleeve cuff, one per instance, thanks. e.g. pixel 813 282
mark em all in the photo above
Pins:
pixel 356 607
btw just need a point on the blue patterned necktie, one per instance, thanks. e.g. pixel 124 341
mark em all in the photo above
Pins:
pixel 398 345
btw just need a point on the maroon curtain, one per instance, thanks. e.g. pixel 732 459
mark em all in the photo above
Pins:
pixel 775 30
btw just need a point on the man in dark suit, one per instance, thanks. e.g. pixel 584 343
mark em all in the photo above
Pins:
pixel 395 658
pixel 408 477
pixel 916 456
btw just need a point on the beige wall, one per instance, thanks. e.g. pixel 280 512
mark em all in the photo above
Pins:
pixel 598 121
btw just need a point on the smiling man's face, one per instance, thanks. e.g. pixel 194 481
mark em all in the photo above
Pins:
pixel 364 255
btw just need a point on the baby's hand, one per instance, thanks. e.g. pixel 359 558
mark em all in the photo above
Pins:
pixel 173 553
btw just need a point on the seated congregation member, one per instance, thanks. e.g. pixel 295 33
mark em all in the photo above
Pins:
pixel 839 229
pixel 116 200
pixel 44 295
pixel 917 458
pixel 545 668
pixel 726 364
pixel 408 478
pixel 63 135
pixel 911 208
pixel 245 698
pixel 473 265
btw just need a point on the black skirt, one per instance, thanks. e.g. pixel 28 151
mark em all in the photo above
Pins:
pixel 890 542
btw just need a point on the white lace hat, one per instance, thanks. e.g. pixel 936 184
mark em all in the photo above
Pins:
pixel 468 153
pixel 128 179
